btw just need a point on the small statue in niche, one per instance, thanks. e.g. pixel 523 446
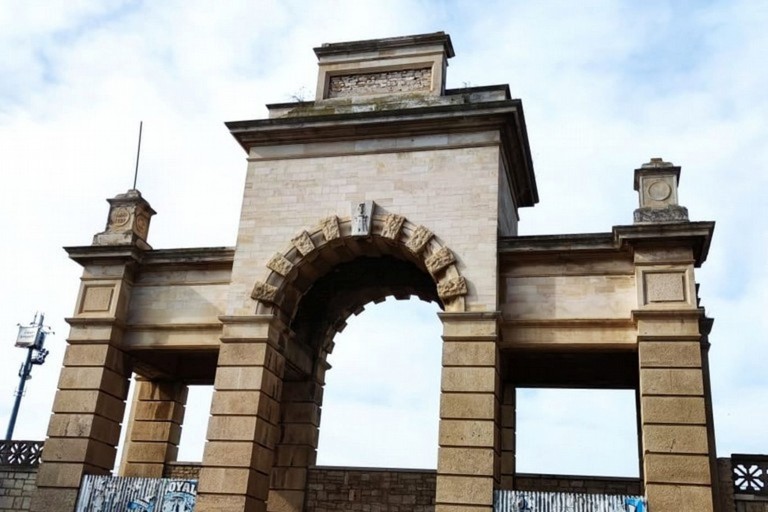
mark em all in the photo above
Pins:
pixel 361 218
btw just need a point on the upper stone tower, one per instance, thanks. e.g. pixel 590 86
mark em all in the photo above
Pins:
pixel 396 65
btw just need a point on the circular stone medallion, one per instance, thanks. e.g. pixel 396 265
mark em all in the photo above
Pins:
pixel 659 190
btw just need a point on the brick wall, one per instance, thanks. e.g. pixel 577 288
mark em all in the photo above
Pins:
pixel 17 484
pixel 332 489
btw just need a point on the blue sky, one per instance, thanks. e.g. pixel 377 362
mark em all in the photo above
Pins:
pixel 605 86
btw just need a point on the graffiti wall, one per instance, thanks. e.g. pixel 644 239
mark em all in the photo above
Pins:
pixel 119 494
pixel 531 501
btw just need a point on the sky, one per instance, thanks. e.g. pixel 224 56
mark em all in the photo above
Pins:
pixel 606 85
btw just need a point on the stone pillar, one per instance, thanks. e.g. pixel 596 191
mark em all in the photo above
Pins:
pixel 243 428
pixel 297 449
pixel 84 429
pixel 673 411
pixel 154 429
pixel 508 436
pixel 468 465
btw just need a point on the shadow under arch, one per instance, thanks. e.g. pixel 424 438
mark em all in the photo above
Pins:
pixel 324 275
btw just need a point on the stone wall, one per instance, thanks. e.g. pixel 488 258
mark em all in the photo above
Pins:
pixel 182 470
pixel 583 484
pixel 332 489
pixel 383 82
pixel 17 484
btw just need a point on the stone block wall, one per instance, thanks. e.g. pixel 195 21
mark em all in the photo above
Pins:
pixel 581 484
pixel 367 490
pixel 17 484
pixel 182 470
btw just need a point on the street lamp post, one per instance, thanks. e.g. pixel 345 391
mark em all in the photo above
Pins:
pixel 31 337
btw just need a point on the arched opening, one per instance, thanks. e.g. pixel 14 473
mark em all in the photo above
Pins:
pixel 381 400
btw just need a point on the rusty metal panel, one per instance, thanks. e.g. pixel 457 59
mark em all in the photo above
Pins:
pixel 119 494
pixel 532 501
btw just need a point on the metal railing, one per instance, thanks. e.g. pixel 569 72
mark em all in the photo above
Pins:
pixel 20 453
pixel 535 501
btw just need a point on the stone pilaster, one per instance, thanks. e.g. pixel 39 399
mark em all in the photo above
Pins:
pixel 243 429
pixel 297 448
pixel 469 455
pixel 154 430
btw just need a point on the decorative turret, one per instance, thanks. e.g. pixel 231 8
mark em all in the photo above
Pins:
pixel 128 221
pixel 656 183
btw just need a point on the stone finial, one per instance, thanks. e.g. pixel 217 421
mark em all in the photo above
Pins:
pixel 656 183
pixel 128 221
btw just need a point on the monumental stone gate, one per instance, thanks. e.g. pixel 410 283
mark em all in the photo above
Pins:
pixel 387 184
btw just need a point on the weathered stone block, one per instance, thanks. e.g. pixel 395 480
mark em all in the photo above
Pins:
pixel 673 409
pixel 674 498
pixel 467 406
pixel 469 379
pixel 245 403
pixel 477 433
pixel 669 354
pixel 470 490
pixel 655 381
pixel 469 353
pixel 465 461
pixel 675 439
pixel 677 469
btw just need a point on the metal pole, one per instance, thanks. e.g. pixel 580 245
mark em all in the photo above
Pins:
pixel 138 154
pixel 26 369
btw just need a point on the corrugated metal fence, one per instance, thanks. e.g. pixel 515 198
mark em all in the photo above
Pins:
pixel 532 501
pixel 120 494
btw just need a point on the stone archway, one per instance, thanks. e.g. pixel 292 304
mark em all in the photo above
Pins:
pixel 324 275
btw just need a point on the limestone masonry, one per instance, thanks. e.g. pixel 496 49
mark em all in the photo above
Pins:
pixel 387 184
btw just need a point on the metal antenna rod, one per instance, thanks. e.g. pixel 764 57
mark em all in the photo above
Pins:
pixel 138 153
